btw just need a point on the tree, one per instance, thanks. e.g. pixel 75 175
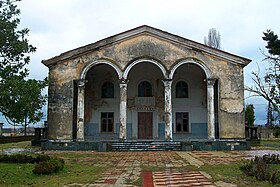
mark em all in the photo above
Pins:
pixel 249 115
pixel 213 39
pixel 20 98
pixel 268 87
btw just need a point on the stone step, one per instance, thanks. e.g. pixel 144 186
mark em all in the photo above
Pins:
pixel 146 146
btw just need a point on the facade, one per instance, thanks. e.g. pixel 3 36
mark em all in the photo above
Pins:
pixel 145 85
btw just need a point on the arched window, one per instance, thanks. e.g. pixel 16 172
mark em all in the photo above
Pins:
pixel 145 89
pixel 182 90
pixel 107 90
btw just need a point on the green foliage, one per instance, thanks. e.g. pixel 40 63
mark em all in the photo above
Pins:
pixel 23 158
pixel 260 168
pixel 44 164
pixel 276 131
pixel 268 87
pixel 275 177
pixel 273 43
pixel 249 115
pixel 50 166
pixel 20 98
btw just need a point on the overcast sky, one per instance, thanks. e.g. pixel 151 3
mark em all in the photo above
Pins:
pixel 57 26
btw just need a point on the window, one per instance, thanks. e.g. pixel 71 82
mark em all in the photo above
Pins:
pixel 182 90
pixel 107 90
pixel 107 121
pixel 145 89
pixel 182 122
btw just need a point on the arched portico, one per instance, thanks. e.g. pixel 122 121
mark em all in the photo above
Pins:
pixel 81 83
pixel 94 63
pixel 210 81
pixel 191 61
pixel 158 64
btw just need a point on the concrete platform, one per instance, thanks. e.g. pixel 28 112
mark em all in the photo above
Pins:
pixel 191 145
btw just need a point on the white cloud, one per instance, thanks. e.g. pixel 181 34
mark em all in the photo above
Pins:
pixel 58 26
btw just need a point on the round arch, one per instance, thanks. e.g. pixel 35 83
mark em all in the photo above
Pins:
pixel 191 61
pixel 130 66
pixel 85 70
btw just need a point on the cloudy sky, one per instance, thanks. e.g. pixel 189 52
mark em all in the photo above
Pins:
pixel 57 26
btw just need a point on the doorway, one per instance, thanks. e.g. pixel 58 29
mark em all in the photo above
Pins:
pixel 145 125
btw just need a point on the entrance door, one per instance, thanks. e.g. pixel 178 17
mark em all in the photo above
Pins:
pixel 145 125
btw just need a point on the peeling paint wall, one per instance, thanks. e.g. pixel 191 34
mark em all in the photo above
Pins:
pixel 62 74
pixel 60 101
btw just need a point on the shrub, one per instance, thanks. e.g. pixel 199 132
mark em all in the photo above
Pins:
pixel 259 167
pixel 17 158
pixel 41 158
pixel 247 168
pixel 53 165
pixel 275 177
pixel 271 159
pixel 44 163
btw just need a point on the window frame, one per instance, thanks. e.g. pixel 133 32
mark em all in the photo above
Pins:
pixel 182 88
pixel 139 94
pixel 103 96
pixel 182 125
pixel 107 125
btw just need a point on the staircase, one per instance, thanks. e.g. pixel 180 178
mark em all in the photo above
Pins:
pixel 146 146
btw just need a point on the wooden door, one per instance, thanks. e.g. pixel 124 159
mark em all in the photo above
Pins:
pixel 145 125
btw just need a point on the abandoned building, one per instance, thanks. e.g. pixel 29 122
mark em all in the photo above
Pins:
pixel 146 85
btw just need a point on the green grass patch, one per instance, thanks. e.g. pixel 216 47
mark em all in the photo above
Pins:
pixel 21 175
pixel 24 144
pixel 232 174
pixel 270 144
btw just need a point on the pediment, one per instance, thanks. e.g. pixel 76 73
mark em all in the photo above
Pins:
pixel 147 31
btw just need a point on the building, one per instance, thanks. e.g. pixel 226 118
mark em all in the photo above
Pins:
pixel 145 84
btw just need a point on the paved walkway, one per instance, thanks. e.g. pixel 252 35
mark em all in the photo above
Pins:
pixel 155 169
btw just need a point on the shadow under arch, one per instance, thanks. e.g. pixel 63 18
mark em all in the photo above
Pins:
pixel 158 64
pixel 191 61
pixel 97 62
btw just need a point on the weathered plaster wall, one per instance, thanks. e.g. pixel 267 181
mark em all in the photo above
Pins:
pixel 60 101
pixel 95 104
pixel 196 104
pixel 124 52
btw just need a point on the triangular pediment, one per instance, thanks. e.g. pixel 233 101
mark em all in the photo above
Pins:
pixel 151 31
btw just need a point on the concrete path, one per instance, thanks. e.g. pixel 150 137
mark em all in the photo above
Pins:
pixel 155 169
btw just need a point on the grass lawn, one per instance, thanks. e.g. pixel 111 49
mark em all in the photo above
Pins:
pixel 24 144
pixel 81 167
pixel 232 174
pixel 270 144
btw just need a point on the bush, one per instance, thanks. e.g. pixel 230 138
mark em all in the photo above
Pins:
pixel 44 163
pixel 52 165
pixel 17 158
pixel 41 158
pixel 271 159
pixel 275 177
pixel 259 168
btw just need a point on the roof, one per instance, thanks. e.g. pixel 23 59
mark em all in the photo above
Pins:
pixel 145 29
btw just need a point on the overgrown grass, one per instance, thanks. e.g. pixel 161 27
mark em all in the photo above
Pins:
pixel 232 174
pixel 22 175
pixel 24 144
pixel 270 144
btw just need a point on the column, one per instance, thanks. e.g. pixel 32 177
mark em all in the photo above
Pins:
pixel 80 109
pixel 210 107
pixel 168 109
pixel 123 100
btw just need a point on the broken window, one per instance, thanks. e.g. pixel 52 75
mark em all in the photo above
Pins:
pixel 182 90
pixel 145 89
pixel 107 121
pixel 182 122
pixel 107 90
